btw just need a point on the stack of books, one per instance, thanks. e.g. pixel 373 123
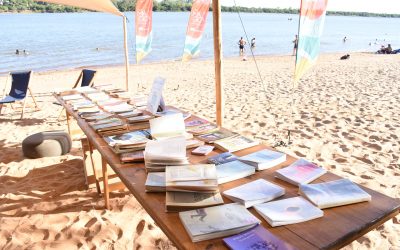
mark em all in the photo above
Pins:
pixel 288 211
pixel 136 156
pixel 216 135
pixel 264 159
pixel 128 142
pixel 191 186
pixel 120 108
pixel 235 143
pixel 110 128
pixel 96 117
pixel 168 152
pixel 300 172
pixel 167 126
pixel 334 193
pixel 255 192
pixel 218 221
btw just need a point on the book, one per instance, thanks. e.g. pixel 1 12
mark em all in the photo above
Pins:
pixel 217 135
pixel 264 159
pixel 137 156
pixel 132 113
pixel 185 115
pixel 235 143
pixel 72 97
pixel 178 201
pixel 203 150
pixel 255 192
pixel 203 129
pixel 222 158
pixel 107 126
pixel 288 211
pixel 195 123
pixel 138 119
pixel 120 108
pixel 192 143
pixel 257 238
pixel 300 172
pixel 192 178
pixel 96 117
pixel 334 193
pixel 104 121
pixel 155 182
pixel 155 95
pixel 167 126
pixel 233 170
pixel 218 221
pixel 131 141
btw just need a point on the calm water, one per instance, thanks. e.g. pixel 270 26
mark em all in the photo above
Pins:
pixel 57 41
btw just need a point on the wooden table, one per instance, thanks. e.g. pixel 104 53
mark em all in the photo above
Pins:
pixel 338 227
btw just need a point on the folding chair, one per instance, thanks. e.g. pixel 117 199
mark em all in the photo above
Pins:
pixel 18 92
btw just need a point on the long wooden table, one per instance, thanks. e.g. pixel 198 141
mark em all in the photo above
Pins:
pixel 338 227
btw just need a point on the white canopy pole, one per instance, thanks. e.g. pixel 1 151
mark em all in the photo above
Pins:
pixel 219 83
pixel 126 55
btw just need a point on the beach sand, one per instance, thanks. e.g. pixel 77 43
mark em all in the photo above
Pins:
pixel 345 117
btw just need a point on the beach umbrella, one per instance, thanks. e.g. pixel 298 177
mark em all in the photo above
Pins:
pixel 101 6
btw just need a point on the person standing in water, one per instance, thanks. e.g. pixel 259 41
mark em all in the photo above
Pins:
pixel 253 43
pixel 241 44
pixel 296 42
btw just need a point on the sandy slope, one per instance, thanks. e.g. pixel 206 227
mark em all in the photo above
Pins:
pixel 345 117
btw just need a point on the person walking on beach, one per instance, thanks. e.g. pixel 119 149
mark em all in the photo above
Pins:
pixel 344 39
pixel 241 44
pixel 253 43
pixel 296 42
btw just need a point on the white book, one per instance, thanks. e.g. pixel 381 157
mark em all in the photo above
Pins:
pixel 167 126
pixel 255 192
pixel 192 178
pixel 155 182
pixel 233 170
pixel 72 97
pixel 288 211
pixel 173 149
pixel 300 172
pixel 334 193
pixel 264 159
pixel 235 143
pixel 219 221
pixel 120 108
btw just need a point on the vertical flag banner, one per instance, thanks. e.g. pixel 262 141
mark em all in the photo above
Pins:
pixel 196 25
pixel 144 34
pixel 312 18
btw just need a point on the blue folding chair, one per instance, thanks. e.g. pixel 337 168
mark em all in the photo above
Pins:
pixel 19 90
pixel 86 78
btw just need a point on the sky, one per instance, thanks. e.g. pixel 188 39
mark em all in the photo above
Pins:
pixel 374 6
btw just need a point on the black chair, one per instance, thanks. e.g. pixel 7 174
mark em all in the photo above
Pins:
pixel 86 78
pixel 19 90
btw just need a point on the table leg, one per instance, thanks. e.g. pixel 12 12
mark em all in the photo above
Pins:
pixel 105 182
pixel 94 167
pixel 68 125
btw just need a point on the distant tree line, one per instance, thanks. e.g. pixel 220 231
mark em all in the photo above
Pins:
pixel 164 5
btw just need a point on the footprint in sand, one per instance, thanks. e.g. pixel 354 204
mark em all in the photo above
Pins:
pixel 140 226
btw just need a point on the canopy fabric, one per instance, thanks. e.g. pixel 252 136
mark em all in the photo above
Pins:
pixel 96 5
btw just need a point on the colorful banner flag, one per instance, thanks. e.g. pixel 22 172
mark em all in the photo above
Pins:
pixel 196 25
pixel 144 34
pixel 312 18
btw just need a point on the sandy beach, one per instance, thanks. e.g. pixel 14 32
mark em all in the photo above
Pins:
pixel 344 116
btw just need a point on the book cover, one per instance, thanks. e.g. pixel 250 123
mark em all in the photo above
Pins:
pixel 131 138
pixel 155 182
pixel 217 135
pixel 300 172
pixel 334 193
pixel 235 143
pixel 257 238
pixel 203 129
pixel 222 158
pixel 233 170
pixel 176 201
pixel 264 159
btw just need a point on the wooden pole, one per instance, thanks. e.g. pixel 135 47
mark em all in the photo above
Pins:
pixel 219 86
pixel 126 55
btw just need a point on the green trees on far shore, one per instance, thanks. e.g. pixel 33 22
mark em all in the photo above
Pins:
pixel 163 5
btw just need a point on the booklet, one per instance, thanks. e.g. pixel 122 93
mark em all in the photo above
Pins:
pixel 288 211
pixel 255 192
pixel 334 193
pixel 264 159
pixel 178 201
pixel 219 221
pixel 257 238
pixel 300 172
pixel 233 170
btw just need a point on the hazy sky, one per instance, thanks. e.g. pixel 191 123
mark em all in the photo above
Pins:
pixel 375 6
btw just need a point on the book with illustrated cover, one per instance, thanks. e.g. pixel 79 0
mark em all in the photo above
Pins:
pixel 288 211
pixel 235 143
pixel 218 221
pixel 155 182
pixel 195 123
pixel 178 201
pixel 132 140
pixel 137 156
pixel 233 170
pixel 257 238
pixel 222 158
pixel 334 193
pixel 192 178
pixel 264 159
pixel 203 150
pixel 215 136
pixel 255 192
pixel 300 172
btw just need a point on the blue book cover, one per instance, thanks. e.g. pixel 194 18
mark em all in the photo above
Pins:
pixel 222 158
pixel 256 238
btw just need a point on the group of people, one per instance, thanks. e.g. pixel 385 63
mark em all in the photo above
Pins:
pixel 242 44
pixel 385 50
pixel 24 52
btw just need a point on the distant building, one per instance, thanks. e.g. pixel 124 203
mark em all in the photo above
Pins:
pixel 1 2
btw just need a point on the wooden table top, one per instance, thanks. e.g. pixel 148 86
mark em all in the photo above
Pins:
pixel 338 227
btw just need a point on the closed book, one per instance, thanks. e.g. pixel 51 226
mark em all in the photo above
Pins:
pixel 130 138
pixel 192 178
pixel 215 136
pixel 137 156
pixel 288 211
pixel 109 126
pixel 264 159
pixel 300 172
pixel 104 121
pixel 137 119
pixel 222 158
pixel 178 201
pixel 257 238
pixel 195 123
pixel 233 170
pixel 203 150
pixel 132 113
pixel 203 129
pixel 235 143
pixel 155 182
pixel 193 143
pixel 334 193
pixel 255 192
pixel 218 221
pixel 97 117
pixel 167 126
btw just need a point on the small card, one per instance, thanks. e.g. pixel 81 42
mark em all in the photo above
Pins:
pixel 203 150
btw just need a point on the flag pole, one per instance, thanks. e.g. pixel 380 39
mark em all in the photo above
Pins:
pixel 219 90
pixel 126 54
